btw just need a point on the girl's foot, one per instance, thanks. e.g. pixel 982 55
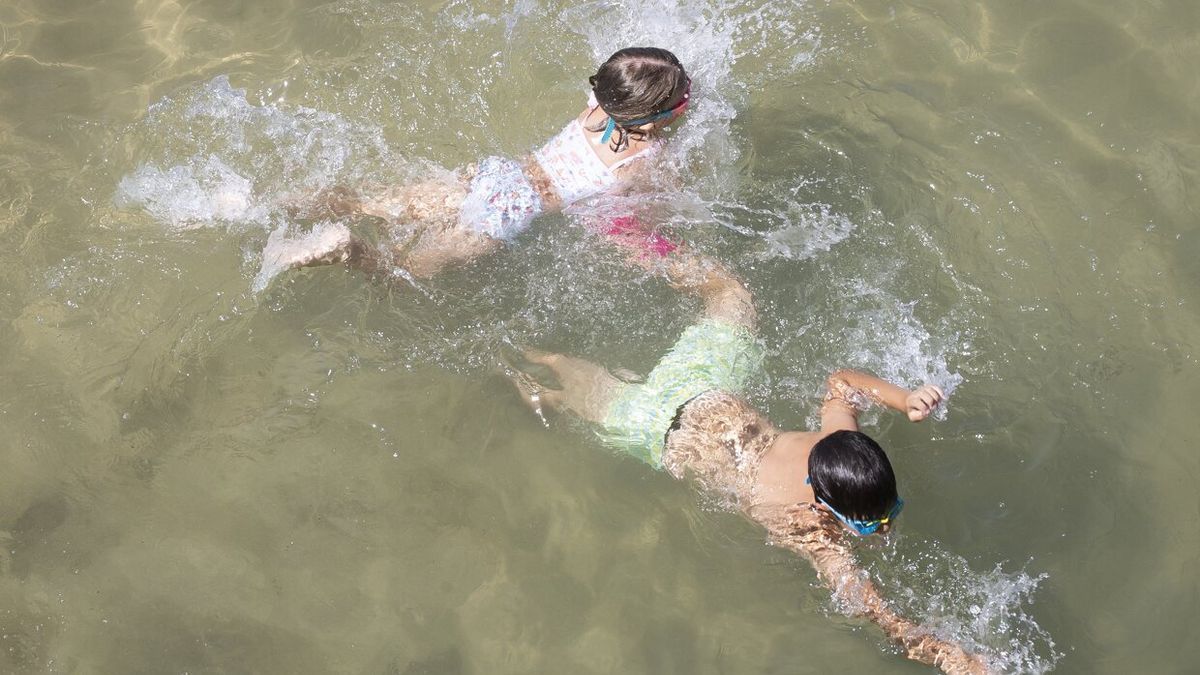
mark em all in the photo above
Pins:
pixel 325 244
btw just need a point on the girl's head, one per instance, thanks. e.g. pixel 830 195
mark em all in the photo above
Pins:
pixel 638 86
pixel 851 475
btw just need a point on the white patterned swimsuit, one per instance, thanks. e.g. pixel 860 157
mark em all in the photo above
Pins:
pixel 574 168
pixel 502 202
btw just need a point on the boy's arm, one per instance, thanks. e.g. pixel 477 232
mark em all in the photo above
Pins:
pixel 837 569
pixel 848 391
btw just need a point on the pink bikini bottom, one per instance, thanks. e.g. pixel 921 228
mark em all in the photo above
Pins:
pixel 629 231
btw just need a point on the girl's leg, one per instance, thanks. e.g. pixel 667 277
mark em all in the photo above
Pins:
pixel 441 240
pixel 420 222
pixel 432 200
pixel 443 245
pixel 325 244
pixel 330 203
pixel 328 242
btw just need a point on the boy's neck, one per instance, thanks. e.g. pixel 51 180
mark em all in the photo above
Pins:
pixel 783 468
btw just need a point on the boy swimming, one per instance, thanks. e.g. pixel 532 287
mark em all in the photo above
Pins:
pixel 813 491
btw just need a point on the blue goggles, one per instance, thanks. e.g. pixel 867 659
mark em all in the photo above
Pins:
pixel 611 125
pixel 863 527
pixel 866 527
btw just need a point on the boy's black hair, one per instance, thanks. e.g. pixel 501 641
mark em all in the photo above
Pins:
pixel 850 472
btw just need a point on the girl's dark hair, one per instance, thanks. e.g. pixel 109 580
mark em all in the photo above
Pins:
pixel 636 83
pixel 850 472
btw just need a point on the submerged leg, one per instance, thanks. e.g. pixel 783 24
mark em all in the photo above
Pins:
pixel 427 201
pixel 532 393
pixel 440 246
pixel 587 390
pixel 442 240
pixel 330 203
pixel 431 199
pixel 421 222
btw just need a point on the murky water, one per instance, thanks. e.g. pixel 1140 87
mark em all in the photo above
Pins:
pixel 329 477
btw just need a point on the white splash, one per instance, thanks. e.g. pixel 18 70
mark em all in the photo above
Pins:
pixel 807 230
pixel 898 346
pixel 226 140
pixel 202 192
pixel 986 612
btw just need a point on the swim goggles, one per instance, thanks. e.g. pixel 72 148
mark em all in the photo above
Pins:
pixel 862 527
pixel 611 125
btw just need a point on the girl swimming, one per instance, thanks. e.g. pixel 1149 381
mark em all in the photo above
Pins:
pixel 635 94
pixel 813 491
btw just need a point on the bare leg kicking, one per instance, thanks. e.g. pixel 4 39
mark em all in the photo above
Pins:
pixel 421 224
pixel 586 389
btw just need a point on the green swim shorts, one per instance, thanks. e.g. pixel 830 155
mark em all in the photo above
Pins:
pixel 709 355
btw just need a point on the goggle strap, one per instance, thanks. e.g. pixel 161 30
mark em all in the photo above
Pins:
pixel 611 125
pixel 608 130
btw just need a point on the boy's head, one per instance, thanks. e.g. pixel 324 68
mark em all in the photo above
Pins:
pixel 638 86
pixel 851 475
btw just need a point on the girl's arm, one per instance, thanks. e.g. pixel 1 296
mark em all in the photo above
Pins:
pixel 805 535
pixel 848 391
pixel 725 296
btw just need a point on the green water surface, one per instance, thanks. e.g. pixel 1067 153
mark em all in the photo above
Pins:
pixel 330 477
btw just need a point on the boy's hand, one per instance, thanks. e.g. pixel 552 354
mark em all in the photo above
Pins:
pixel 922 401
pixel 966 664
pixel 954 660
